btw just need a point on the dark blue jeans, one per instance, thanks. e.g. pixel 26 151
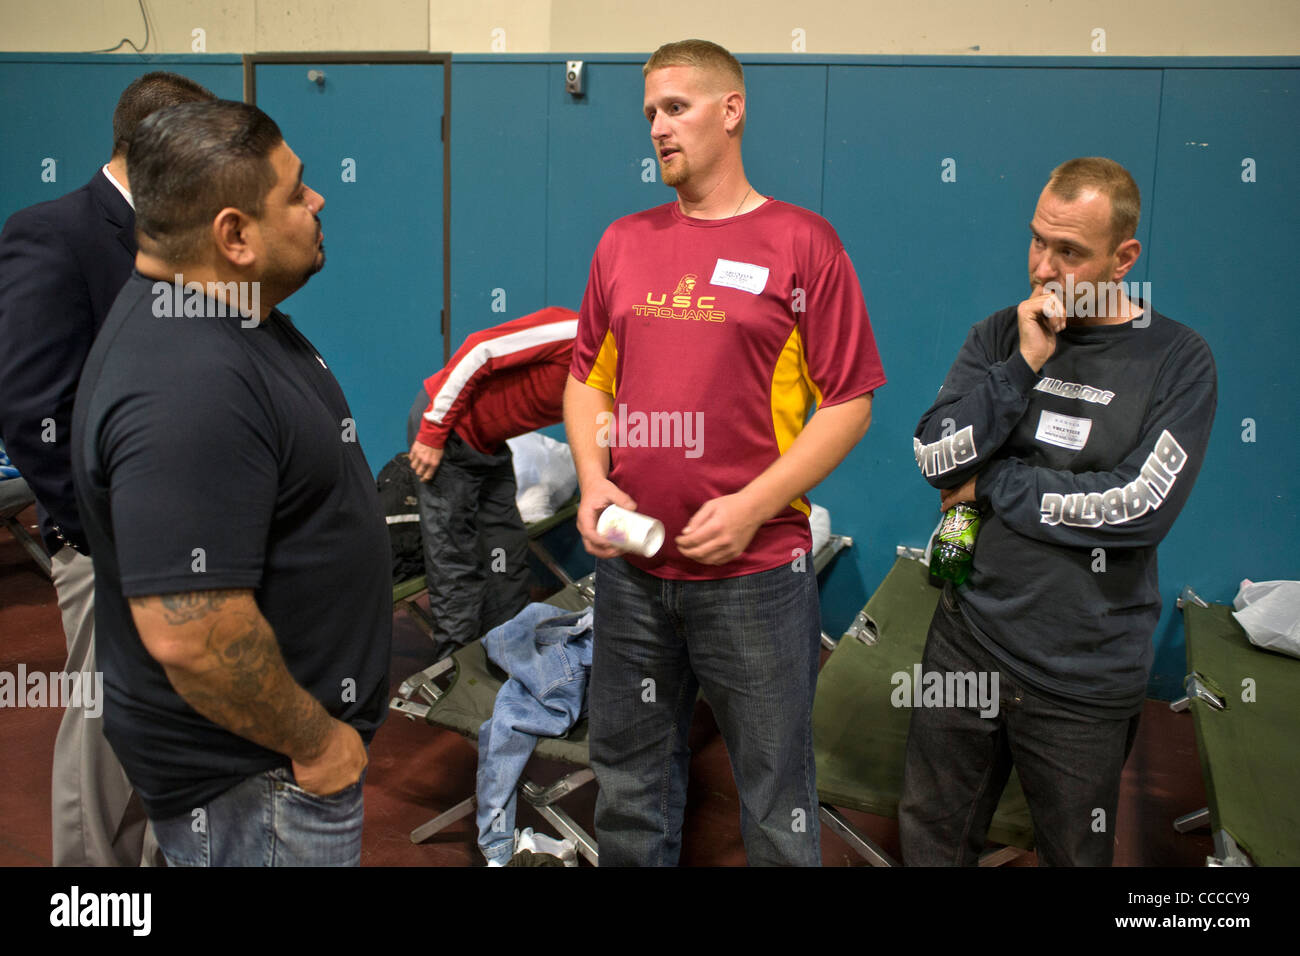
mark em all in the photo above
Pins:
pixel 751 643
pixel 267 820
pixel 958 763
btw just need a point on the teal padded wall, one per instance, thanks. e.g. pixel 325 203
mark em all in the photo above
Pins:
pixel 498 195
pixel 1222 259
pixel 370 140
pixel 60 106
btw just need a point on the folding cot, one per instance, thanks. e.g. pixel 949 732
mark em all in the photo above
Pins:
pixel 466 702
pixel 860 737
pixel 1245 702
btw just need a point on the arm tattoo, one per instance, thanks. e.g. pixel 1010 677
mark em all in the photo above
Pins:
pixel 182 608
pixel 241 682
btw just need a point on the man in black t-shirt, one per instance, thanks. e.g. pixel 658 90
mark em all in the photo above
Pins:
pixel 242 592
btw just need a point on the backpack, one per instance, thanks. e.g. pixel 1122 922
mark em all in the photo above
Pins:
pixel 397 494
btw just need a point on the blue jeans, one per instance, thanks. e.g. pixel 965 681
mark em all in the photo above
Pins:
pixel 547 653
pixel 267 820
pixel 958 762
pixel 751 643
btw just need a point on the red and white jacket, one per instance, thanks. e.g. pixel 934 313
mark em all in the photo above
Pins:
pixel 502 382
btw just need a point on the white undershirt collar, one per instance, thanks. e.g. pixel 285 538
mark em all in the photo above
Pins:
pixel 120 188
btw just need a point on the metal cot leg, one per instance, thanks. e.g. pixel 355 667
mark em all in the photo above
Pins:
pixel 443 820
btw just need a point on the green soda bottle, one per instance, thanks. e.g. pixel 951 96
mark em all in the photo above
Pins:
pixel 954 546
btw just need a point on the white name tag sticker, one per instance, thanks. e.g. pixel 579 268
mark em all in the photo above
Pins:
pixel 1063 431
pixel 744 276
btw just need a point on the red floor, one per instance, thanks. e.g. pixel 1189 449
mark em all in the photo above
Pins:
pixel 417 771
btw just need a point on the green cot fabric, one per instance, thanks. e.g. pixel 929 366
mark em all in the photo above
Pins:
pixel 859 736
pixel 1250 753
pixel 469 701
pixel 408 588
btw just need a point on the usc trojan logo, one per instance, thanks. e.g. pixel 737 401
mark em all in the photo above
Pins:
pixel 684 304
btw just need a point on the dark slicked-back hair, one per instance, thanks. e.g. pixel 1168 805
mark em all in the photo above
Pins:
pixel 150 93
pixel 189 162
pixel 1071 178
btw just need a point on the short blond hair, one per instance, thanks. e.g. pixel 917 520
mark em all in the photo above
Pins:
pixel 703 55
pixel 1110 179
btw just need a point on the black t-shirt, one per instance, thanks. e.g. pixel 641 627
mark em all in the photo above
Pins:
pixel 209 455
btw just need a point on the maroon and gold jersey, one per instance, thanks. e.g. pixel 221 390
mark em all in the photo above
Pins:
pixel 717 338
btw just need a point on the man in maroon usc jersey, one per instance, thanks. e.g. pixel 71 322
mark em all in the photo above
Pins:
pixel 711 326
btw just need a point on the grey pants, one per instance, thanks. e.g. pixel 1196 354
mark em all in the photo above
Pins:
pixel 475 543
pixel 97 818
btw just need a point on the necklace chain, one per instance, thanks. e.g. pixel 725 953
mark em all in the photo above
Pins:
pixel 742 202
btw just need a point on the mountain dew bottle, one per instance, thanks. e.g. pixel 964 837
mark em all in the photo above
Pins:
pixel 954 547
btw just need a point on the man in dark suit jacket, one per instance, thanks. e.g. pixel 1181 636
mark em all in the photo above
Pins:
pixel 62 264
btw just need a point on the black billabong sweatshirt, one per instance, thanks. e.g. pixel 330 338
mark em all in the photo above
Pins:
pixel 1082 469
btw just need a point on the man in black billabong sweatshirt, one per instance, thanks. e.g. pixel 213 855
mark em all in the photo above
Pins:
pixel 242 592
pixel 1076 421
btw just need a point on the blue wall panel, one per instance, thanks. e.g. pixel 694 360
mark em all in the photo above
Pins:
pixel 373 311
pixel 62 108
pixel 498 193
pixel 1222 260
pixel 785 132
pixel 598 144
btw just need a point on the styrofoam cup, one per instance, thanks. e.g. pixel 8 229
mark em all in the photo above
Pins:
pixel 631 531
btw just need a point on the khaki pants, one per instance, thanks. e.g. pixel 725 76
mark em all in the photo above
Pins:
pixel 97 818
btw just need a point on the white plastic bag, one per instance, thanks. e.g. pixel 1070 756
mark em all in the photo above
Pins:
pixel 544 475
pixel 1269 613
pixel 820 524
